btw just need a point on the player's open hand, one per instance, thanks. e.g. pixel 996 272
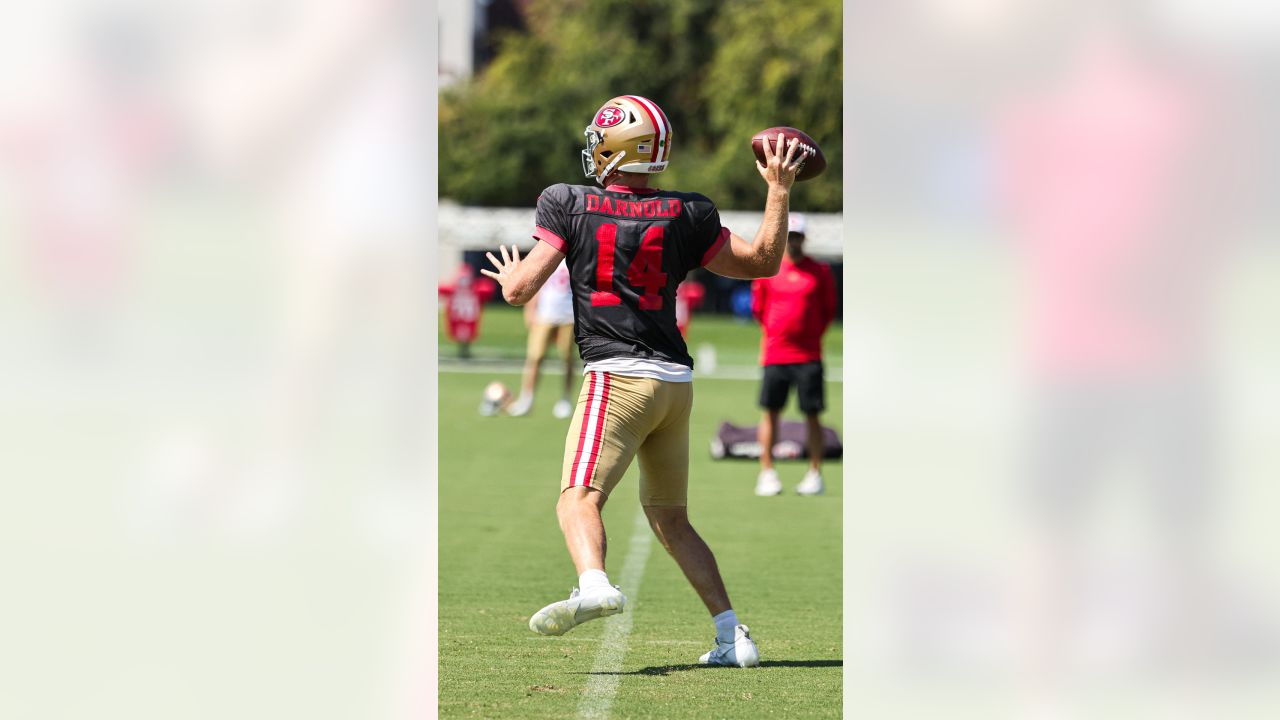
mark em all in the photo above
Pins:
pixel 782 162
pixel 506 267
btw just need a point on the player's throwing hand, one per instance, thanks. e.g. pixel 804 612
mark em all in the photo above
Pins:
pixel 780 169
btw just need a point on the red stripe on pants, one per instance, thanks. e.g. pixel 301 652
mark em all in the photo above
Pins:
pixel 582 431
pixel 599 435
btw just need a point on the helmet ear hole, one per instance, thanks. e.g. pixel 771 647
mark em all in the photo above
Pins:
pixel 606 153
pixel 631 116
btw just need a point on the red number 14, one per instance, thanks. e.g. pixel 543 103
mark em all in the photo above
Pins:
pixel 645 272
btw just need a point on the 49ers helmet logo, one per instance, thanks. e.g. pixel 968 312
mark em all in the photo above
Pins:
pixel 609 116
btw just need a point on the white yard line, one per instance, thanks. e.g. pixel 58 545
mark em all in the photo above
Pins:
pixel 602 684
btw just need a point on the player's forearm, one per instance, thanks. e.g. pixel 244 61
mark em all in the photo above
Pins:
pixel 520 289
pixel 771 239
pixel 521 286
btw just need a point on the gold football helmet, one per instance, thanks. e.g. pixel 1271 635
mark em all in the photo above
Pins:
pixel 628 134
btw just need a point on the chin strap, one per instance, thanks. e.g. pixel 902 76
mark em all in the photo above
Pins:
pixel 600 179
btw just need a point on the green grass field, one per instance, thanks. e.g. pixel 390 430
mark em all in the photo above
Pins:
pixel 502 558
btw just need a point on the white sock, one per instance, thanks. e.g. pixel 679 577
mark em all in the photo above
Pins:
pixel 725 623
pixel 593 580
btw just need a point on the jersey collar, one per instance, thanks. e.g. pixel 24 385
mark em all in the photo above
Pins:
pixel 616 187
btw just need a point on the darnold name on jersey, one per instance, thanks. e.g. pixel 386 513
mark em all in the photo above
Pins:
pixel 660 208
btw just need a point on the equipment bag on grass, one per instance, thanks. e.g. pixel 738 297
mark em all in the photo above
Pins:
pixel 735 441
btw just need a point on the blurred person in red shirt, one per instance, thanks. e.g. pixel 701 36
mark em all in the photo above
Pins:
pixel 794 309
pixel 465 297
pixel 689 296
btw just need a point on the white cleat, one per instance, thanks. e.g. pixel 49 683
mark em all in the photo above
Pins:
pixel 562 410
pixel 741 652
pixel 811 484
pixel 768 483
pixel 559 618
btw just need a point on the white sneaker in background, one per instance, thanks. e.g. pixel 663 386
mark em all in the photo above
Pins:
pixel 742 652
pixel 559 618
pixel 768 483
pixel 811 484
pixel 521 406
pixel 563 409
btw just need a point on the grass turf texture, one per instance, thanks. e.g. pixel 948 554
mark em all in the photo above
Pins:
pixel 502 557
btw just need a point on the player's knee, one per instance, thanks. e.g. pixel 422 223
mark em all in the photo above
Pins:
pixel 669 524
pixel 579 499
pixel 569 499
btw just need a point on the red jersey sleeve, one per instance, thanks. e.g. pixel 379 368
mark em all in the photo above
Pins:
pixel 552 217
pixel 709 234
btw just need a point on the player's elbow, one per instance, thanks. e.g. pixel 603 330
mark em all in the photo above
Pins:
pixel 765 267
pixel 745 263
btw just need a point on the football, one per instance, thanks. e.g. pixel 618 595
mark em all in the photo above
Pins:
pixel 496 398
pixel 812 167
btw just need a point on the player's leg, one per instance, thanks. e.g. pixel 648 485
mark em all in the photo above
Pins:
pixel 564 343
pixel 672 528
pixel 578 511
pixel 733 640
pixel 813 437
pixel 601 443
pixel 664 482
pixel 767 435
pixel 535 351
pixel 811 394
pixel 773 396
pixel 460 333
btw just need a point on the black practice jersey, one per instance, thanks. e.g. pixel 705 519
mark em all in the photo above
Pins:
pixel 627 251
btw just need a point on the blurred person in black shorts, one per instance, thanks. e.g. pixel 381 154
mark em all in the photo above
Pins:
pixel 794 308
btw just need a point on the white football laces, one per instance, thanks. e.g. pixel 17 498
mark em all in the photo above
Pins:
pixel 809 152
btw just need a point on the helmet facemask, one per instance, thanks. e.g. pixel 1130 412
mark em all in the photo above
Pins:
pixel 594 138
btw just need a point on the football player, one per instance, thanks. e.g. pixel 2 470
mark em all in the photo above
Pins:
pixel 628 246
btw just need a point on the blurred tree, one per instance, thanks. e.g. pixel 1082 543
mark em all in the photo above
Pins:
pixel 721 70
